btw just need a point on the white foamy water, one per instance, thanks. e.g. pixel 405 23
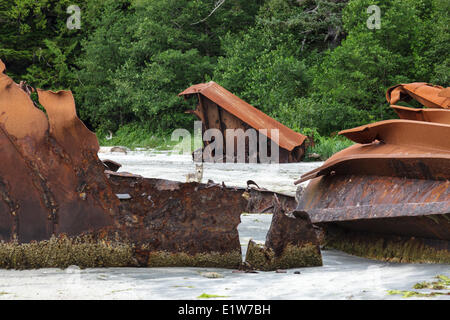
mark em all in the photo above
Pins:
pixel 164 165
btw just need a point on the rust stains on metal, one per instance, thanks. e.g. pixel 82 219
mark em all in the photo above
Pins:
pixel 52 180
pixel 402 132
pixel 290 243
pixel 428 115
pixel 52 184
pixel 179 217
pixel 429 95
pixel 394 182
pixel 399 148
pixel 220 109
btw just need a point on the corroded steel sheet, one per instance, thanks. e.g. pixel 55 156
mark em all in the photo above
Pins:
pixel 290 243
pixel 341 198
pixel 399 148
pixel 171 216
pixel 382 217
pixel 393 185
pixel 426 114
pixel 427 94
pixel 402 132
pixel 51 179
pixel 220 109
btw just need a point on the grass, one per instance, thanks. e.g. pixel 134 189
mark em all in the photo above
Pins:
pixel 134 136
pixel 442 283
pixel 209 296
pixel 327 146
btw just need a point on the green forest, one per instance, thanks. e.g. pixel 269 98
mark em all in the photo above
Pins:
pixel 314 65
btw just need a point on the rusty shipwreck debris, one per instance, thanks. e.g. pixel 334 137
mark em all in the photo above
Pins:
pixel 51 180
pixel 427 94
pixel 220 109
pixel 436 99
pixel 388 196
pixel 60 205
pixel 290 243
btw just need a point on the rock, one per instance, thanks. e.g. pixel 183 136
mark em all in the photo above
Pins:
pixel 315 156
pixel 211 275
pixel 119 149
pixel 280 271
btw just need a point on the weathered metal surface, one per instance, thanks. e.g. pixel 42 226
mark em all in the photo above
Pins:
pixel 111 165
pixel 290 243
pixel 171 216
pixel 51 179
pixel 395 182
pixel 427 94
pixel 52 183
pixel 260 200
pixel 220 109
pixel 428 115
pixel 399 148
pixel 372 202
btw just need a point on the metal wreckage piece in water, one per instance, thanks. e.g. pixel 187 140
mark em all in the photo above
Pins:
pixel 60 205
pixel 388 196
pixel 221 110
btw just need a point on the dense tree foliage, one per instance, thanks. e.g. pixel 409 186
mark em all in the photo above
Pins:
pixel 311 64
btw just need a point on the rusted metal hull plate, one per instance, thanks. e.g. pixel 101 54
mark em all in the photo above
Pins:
pixel 257 119
pixel 402 206
pixel 402 132
pixel 398 148
pixel 394 182
pixel 51 180
pixel 428 115
pixel 172 216
pixel 429 95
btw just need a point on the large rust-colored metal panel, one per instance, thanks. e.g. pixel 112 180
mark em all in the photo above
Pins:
pixel 427 94
pixel 428 115
pixel 53 180
pixel 180 217
pixel 397 148
pixel 220 109
pixel 392 186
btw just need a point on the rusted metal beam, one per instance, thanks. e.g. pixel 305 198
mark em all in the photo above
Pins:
pixel 52 179
pixel 429 114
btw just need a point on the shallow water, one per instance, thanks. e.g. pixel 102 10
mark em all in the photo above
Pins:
pixel 341 277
